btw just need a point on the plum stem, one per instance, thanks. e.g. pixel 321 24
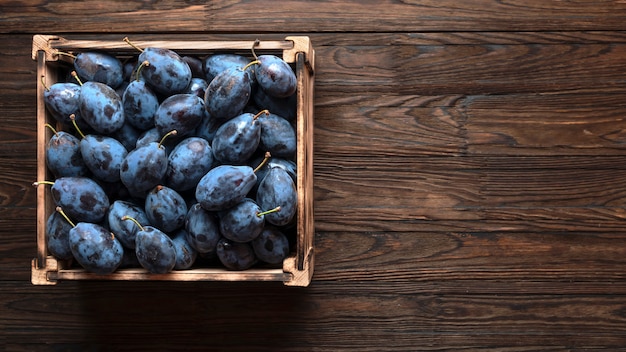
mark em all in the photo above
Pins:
pixel 73 118
pixel 266 112
pixel 265 159
pixel 256 43
pixel 127 217
pixel 145 63
pixel 250 64
pixel 37 183
pixel 52 128
pixel 60 211
pixel 75 75
pixel 170 133
pixel 133 45
pixel 259 214
pixel 66 54
pixel 43 82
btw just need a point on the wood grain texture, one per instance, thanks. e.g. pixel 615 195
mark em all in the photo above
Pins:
pixel 468 182
pixel 302 16
pixel 314 320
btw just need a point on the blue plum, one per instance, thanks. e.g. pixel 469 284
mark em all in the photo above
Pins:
pixel 101 107
pixel 242 222
pixel 208 127
pixel 126 230
pixel 202 229
pixel 288 165
pixel 277 189
pixel 180 112
pixel 62 100
pixel 228 93
pixel 167 72
pixel 148 136
pixel 224 186
pixel 196 66
pixel 190 159
pixel 95 248
pixel 103 156
pixel 140 104
pixel 275 76
pixel 57 236
pixel 197 87
pixel 185 254
pixel 217 63
pixel 237 139
pixel 271 245
pixel 285 107
pixel 63 156
pixel 144 168
pixel 99 67
pixel 155 250
pixel 278 136
pixel 82 198
pixel 166 209
pixel 235 256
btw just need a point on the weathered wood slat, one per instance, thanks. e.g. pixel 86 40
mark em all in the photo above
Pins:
pixel 16 184
pixel 37 16
pixel 333 16
pixel 506 257
pixel 413 189
pixel 310 320
pixel 470 69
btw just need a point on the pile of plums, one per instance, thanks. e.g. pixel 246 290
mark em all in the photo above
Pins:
pixel 170 162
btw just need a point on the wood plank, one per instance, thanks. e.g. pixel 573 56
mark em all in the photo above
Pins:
pixel 425 190
pixel 444 259
pixel 27 16
pixel 465 38
pixel 314 318
pixel 447 15
pixel 470 69
pixel 565 123
pixel 546 124
pixel 16 188
pixel 334 16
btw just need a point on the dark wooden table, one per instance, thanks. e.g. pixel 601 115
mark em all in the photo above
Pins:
pixel 470 182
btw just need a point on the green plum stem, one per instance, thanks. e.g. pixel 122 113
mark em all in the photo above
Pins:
pixel 268 211
pixel 250 64
pixel 73 118
pixel 170 133
pixel 52 128
pixel 75 75
pixel 127 217
pixel 67 218
pixel 37 183
pixel 265 159
pixel 145 63
pixel 43 83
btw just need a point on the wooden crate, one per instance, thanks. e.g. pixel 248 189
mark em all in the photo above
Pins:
pixel 297 268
